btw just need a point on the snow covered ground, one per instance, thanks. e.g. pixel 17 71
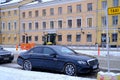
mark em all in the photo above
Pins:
pixel 15 74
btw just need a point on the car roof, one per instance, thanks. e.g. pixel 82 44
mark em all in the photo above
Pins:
pixel 52 46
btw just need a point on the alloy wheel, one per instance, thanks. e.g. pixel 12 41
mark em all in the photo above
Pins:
pixel 70 69
pixel 27 65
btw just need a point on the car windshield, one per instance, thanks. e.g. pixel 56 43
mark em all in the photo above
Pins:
pixel 64 50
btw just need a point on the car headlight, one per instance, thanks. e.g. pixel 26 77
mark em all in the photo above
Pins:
pixel 12 54
pixel 81 62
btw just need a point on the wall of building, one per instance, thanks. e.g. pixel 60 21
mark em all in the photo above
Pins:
pixel 94 32
pixel 64 31
pixel 113 29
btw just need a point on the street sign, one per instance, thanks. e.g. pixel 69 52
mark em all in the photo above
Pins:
pixel 113 10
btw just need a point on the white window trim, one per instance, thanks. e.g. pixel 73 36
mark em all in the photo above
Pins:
pixel 59 20
pixel 34 24
pixel 69 18
pixel 14 25
pixel 76 21
pixel 86 21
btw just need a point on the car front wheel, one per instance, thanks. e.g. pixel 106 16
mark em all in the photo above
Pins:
pixel 27 65
pixel 70 69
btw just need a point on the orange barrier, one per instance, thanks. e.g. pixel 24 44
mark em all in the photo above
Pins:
pixel 16 47
pixel 27 46
pixel 98 51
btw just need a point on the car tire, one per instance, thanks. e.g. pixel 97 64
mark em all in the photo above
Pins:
pixel 70 69
pixel 9 61
pixel 27 65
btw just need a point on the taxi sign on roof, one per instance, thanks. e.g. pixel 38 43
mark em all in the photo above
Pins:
pixel 114 10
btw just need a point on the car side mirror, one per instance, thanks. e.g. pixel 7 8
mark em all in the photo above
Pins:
pixel 53 55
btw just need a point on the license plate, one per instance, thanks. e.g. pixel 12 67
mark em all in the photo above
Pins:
pixel 6 58
pixel 94 67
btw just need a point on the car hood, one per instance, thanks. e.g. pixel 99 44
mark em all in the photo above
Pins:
pixel 2 52
pixel 80 57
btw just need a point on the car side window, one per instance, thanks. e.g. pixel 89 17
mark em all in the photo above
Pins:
pixel 48 51
pixel 36 50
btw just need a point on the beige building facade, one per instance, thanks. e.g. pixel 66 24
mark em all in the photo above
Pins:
pixel 10 19
pixel 61 22
pixel 113 24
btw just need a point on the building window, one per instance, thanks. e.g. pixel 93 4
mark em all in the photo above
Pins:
pixel 78 23
pixel 3 39
pixel 3 26
pixel 69 23
pixel 115 3
pixel 44 25
pixel 9 26
pixel 9 13
pixel 15 25
pixel 69 38
pixel 44 12
pixel 23 14
pixel 30 38
pixel 36 13
pixel 30 13
pixel 78 38
pixel 36 38
pixel 59 37
pixel 89 22
pixel 51 24
pixel 36 25
pixel 60 24
pixel 69 9
pixel 79 8
pixel 15 38
pixel 89 37
pixel 9 38
pixel 114 37
pixel 59 10
pixel 103 20
pixel 103 38
pixel 115 20
pixel 51 11
pixel 23 26
pixel 30 26
pixel 89 6
pixel 15 12
pixel 3 13
pixel 104 4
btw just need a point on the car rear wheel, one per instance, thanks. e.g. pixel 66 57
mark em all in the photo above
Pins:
pixel 70 69
pixel 27 65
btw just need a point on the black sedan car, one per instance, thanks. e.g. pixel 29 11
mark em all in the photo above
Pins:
pixel 6 56
pixel 57 58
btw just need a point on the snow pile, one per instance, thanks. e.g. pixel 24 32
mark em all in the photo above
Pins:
pixel 102 53
pixel 108 76
pixel 15 74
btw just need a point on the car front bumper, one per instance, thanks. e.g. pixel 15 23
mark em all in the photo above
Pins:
pixel 87 69
pixel 6 59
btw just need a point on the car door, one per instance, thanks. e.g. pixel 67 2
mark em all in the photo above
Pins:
pixel 49 60
pixel 36 56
